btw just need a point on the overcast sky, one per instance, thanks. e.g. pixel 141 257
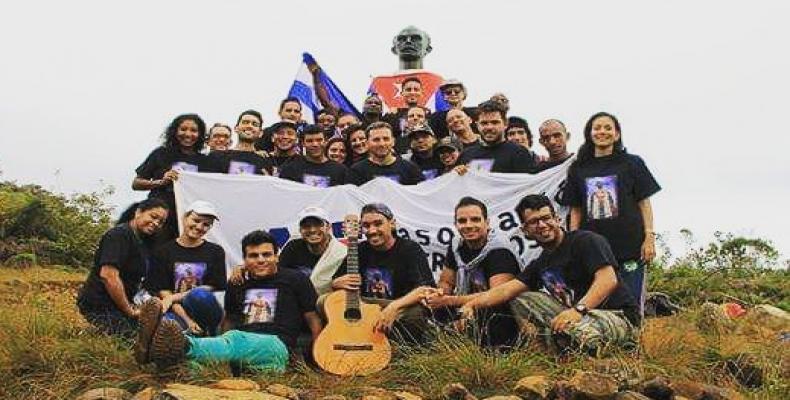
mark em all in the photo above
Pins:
pixel 701 88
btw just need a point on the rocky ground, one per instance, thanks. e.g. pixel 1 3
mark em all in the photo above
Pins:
pixel 50 353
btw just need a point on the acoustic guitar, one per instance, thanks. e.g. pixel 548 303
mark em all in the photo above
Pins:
pixel 349 344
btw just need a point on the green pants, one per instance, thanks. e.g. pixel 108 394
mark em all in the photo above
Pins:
pixel 598 332
pixel 253 350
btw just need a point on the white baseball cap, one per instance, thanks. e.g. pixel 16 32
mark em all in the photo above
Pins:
pixel 202 207
pixel 313 212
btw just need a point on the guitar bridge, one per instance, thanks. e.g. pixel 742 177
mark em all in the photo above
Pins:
pixel 353 347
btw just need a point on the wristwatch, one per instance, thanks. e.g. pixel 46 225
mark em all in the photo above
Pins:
pixel 581 308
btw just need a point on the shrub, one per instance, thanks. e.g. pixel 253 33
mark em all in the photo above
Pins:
pixel 38 225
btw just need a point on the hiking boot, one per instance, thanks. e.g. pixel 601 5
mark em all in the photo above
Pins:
pixel 150 315
pixel 169 345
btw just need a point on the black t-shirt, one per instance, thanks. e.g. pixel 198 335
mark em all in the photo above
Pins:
pixel 274 305
pixel 236 162
pixel 393 273
pixel 326 174
pixel 398 122
pixel 401 171
pixel 163 159
pixel 179 269
pixel 278 162
pixel 438 121
pixel 501 326
pixel 608 190
pixel 120 248
pixel 501 157
pixel 296 255
pixel 568 272
pixel 431 167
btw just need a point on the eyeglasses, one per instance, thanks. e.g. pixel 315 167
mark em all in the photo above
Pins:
pixel 535 222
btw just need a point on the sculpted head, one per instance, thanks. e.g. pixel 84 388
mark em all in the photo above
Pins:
pixel 411 44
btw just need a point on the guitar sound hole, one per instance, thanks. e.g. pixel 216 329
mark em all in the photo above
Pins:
pixel 352 314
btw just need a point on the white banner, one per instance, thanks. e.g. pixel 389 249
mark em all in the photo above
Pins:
pixel 424 212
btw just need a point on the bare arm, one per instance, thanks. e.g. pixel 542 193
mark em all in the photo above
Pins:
pixel 111 278
pixel 575 218
pixel 314 323
pixel 604 283
pixel 146 184
pixel 495 296
pixel 649 245
pixel 320 90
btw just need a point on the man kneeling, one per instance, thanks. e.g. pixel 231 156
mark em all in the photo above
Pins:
pixel 587 306
pixel 262 321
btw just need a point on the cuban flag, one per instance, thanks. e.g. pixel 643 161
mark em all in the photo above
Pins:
pixel 303 89
pixel 390 87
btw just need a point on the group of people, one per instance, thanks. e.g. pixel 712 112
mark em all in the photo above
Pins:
pixel 585 291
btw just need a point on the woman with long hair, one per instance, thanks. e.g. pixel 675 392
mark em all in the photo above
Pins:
pixel 180 151
pixel 609 192
pixel 110 296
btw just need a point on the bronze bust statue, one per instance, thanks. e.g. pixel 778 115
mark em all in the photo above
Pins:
pixel 411 45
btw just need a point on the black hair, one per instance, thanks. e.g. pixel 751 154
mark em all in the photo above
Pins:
pixel 328 111
pixel 255 238
pixel 471 201
pixel 290 99
pixel 411 79
pixel 169 136
pixel 378 125
pixel 219 125
pixel 145 205
pixel 254 113
pixel 312 130
pixel 490 106
pixel 587 149
pixel 518 122
pixel 532 202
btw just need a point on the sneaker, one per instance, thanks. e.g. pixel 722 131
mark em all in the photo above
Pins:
pixel 150 315
pixel 169 345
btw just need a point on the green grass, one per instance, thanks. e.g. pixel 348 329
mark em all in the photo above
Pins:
pixel 49 352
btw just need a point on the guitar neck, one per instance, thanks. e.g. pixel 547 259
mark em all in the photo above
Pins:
pixel 352 267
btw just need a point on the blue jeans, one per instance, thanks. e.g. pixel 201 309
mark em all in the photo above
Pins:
pixel 200 305
pixel 249 350
pixel 634 275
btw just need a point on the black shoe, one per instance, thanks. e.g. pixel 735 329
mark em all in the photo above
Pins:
pixel 150 315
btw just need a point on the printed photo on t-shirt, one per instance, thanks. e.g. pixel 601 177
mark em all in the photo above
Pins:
pixel 241 168
pixel 184 166
pixel 378 283
pixel 601 197
pixel 555 286
pixel 482 164
pixel 478 282
pixel 188 275
pixel 429 174
pixel 393 177
pixel 260 305
pixel 316 180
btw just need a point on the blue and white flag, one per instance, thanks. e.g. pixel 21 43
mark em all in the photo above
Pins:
pixel 304 89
